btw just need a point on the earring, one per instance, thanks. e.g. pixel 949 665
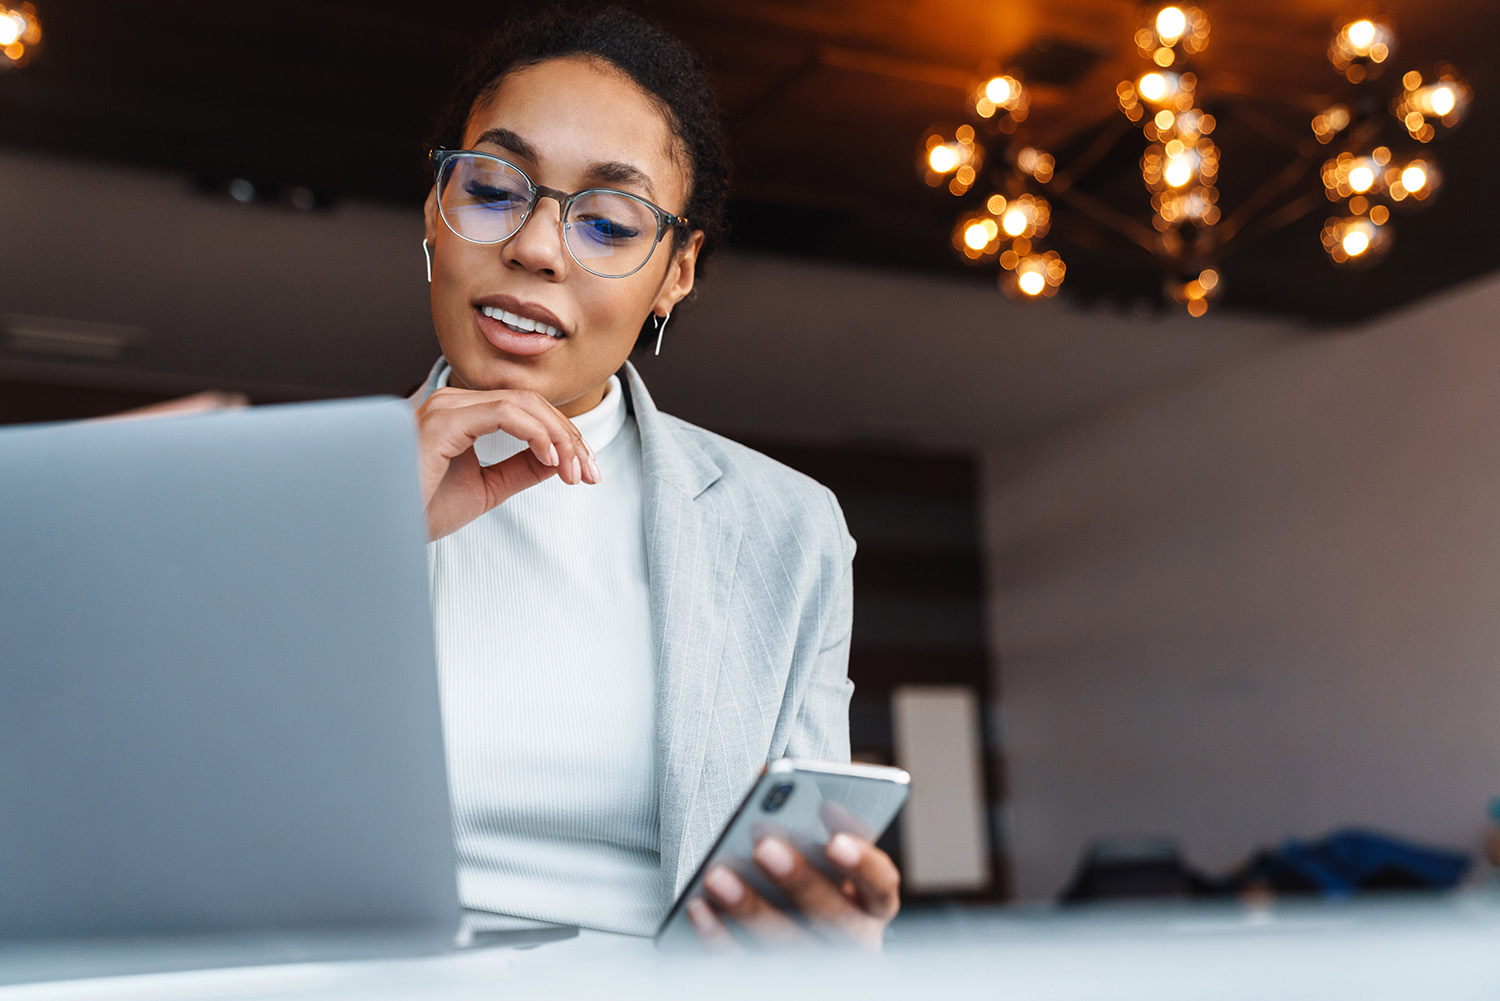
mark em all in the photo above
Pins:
pixel 661 325
pixel 427 253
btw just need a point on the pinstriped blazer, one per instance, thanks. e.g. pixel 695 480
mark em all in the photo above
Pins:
pixel 751 591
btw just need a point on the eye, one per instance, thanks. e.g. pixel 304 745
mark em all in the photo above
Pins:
pixel 492 196
pixel 608 230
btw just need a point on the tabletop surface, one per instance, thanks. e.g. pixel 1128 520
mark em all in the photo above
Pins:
pixel 1428 947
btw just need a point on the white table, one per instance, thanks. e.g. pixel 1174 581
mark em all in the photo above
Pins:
pixel 1440 948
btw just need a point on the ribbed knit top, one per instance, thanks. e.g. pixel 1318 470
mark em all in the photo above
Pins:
pixel 548 686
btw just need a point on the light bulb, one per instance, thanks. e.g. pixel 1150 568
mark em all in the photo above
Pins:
pixel 10 30
pixel 1361 35
pixel 1179 171
pixel 1414 179
pixel 1171 22
pixel 1361 178
pixel 1356 242
pixel 976 237
pixel 998 90
pixel 1031 282
pixel 942 158
pixel 1153 86
pixel 1442 101
pixel 1014 222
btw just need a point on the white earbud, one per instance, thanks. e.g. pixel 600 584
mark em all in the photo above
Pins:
pixel 661 325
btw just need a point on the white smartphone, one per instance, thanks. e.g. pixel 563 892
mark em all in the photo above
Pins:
pixel 805 803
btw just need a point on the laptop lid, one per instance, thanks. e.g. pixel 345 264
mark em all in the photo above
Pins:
pixel 219 710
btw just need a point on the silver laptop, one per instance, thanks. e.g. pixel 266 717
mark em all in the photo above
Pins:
pixel 220 739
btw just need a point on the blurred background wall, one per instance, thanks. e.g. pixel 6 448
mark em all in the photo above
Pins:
pixel 1263 602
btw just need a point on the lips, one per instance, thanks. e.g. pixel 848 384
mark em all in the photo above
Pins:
pixel 518 328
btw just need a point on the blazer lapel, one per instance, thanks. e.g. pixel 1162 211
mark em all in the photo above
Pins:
pixel 690 559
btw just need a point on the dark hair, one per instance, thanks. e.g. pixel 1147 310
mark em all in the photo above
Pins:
pixel 658 63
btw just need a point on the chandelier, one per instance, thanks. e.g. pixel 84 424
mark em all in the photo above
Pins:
pixel 20 33
pixel 1365 176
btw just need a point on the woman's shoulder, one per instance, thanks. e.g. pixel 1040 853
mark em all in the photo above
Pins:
pixel 740 461
pixel 758 488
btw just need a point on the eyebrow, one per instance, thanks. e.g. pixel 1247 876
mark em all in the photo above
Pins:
pixel 608 171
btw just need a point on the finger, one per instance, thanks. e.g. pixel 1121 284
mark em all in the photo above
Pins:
pixel 452 430
pixel 712 932
pixel 563 447
pixel 576 463
pixel 198 403
pixel 874 876
pixel 734 898
pixel 819 900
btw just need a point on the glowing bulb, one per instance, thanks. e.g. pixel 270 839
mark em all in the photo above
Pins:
pixel 1356 242
pixel 1170 24
pixel 1153 86
pixel 1031 282
pixel 976 237
pixel 998 90
pixel 1361 35
pixel 1442 101
pixel 1414 178
pixel 1361 178
pixel 1165 119
pixel 10 30
pixel 1013 222
pixel 1179 171
pixel 942 159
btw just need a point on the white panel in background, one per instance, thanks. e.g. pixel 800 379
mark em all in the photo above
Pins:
pixel 945 847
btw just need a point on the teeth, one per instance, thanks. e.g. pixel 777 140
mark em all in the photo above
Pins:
pixel 520 322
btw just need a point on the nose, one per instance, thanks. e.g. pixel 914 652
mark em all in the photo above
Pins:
pixel 538 245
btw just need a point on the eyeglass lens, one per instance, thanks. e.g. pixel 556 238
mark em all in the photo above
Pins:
pixel 485 200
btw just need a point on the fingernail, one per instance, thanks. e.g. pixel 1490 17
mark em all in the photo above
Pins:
pixel 725 885
pixel 551 455
pixel 775 856
pixel 844 850
pixel 700 915
pixel 577 470
pixel 594 469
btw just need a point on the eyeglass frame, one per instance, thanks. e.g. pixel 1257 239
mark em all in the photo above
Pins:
pixel 536 192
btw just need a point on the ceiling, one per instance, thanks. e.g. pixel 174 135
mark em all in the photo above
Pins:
pixel 825 101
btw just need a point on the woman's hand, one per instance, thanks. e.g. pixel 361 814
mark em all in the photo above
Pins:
pixel 456 489
pixel 854 912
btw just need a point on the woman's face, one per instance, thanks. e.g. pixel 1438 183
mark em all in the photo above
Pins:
pixel 570 124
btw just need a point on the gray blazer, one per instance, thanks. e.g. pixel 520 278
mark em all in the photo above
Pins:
pixel 751 588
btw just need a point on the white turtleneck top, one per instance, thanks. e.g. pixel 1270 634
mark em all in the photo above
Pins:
pixel 548 686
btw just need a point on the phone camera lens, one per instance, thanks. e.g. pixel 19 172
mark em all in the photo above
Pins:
pixel 776 798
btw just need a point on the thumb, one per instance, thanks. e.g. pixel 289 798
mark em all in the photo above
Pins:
pixel 510 476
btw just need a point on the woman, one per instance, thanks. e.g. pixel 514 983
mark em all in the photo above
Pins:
pixel 633 614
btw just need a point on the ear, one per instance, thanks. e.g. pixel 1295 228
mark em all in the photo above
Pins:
pixel 430 217
pixel 680 275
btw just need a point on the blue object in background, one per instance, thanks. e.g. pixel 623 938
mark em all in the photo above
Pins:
pixel 1346 862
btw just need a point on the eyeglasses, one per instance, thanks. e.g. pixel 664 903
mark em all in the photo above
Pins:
pixel 484 199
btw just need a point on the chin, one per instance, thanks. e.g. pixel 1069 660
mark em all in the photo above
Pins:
pixel 487 373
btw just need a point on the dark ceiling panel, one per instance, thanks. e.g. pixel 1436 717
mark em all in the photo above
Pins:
pixel 825 100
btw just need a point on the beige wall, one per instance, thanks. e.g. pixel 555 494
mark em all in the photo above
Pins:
pixel 1265 602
